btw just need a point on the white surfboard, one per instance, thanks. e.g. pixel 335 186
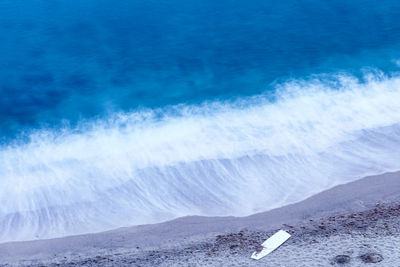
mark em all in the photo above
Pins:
pixel 271 244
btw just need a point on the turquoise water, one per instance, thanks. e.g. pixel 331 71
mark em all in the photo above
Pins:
pixel 117 113
pixel 64 61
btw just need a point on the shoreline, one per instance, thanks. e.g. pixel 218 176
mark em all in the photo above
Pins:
pixel 364 211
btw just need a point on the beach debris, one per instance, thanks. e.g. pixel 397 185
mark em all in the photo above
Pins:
pixel 270 244
pixel 342 259
pixel 371 257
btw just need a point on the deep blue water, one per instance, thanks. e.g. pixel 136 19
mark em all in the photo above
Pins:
pixel 63 61
pixel 118 113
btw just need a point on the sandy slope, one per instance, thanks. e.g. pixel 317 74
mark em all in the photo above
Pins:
pixel 353 219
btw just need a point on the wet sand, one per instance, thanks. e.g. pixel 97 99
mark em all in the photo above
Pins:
pixel 349 225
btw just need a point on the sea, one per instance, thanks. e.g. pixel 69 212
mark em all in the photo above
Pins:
pixel 121 113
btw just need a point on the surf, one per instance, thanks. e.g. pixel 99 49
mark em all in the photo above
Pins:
pixel 218 158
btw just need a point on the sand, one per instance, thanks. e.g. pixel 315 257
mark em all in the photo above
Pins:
pixel 349 225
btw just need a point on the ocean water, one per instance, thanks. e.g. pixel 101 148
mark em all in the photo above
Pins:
pixel 119 113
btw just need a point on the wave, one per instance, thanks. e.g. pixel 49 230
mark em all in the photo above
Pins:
pixel 217 158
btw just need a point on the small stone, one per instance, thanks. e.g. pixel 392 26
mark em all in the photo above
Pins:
pixel 259 249
pixel 341 259
pixel 371 258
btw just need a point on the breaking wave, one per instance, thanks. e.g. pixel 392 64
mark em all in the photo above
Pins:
pixel 220 158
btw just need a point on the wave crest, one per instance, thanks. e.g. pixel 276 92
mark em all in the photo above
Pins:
pixel 214 159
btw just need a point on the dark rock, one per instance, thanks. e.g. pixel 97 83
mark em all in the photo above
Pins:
pixel 371 257
pixel 341 259
pixel 259 249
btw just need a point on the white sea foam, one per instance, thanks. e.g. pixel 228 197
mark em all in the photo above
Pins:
pixel 214 159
